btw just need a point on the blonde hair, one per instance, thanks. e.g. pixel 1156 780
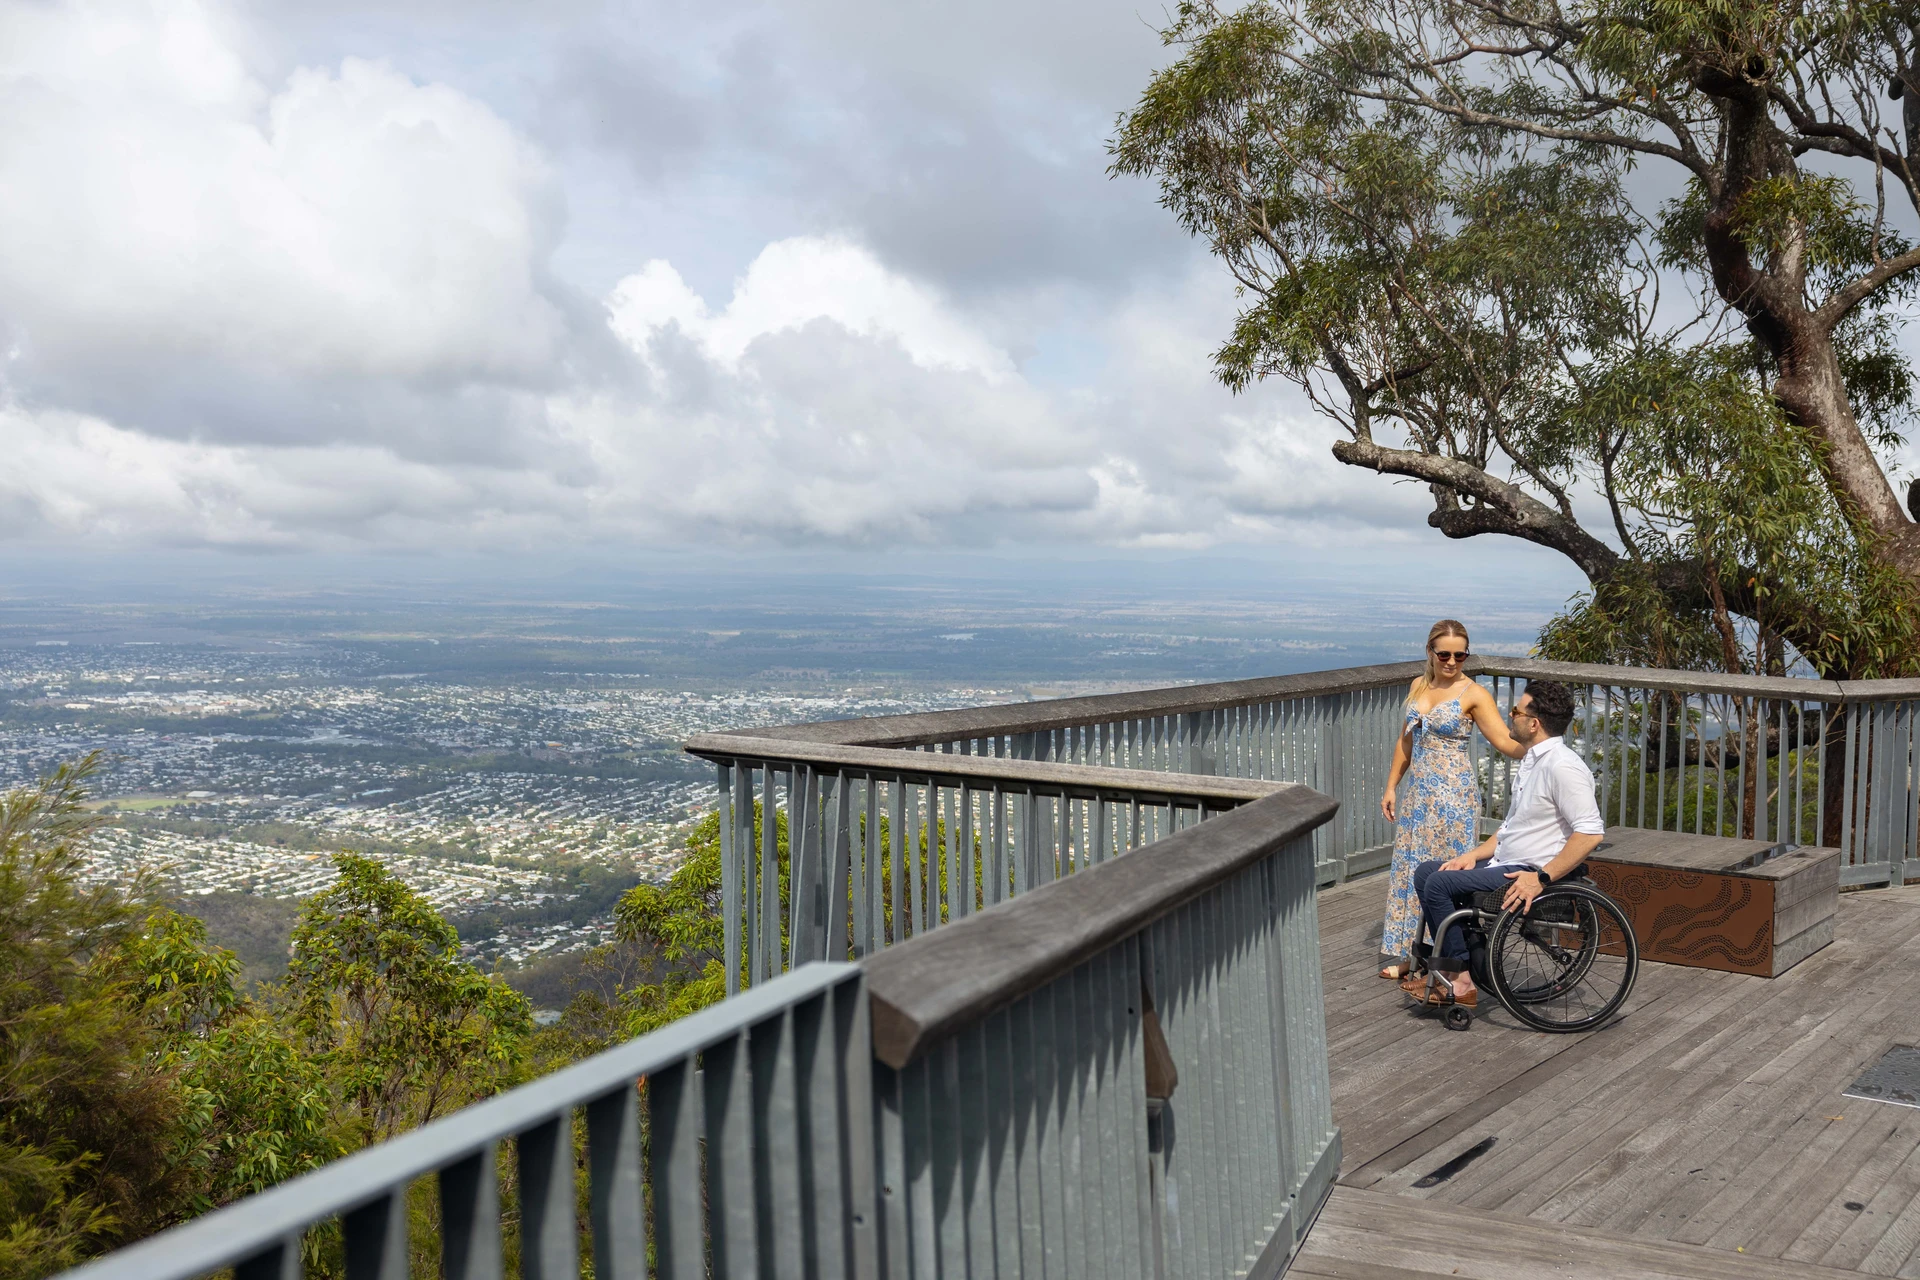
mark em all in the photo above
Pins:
pixel 1444 627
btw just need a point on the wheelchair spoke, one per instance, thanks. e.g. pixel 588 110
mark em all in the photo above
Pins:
pixel 1565 969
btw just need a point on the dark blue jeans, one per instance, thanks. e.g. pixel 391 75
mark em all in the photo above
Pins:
pixel 1443 892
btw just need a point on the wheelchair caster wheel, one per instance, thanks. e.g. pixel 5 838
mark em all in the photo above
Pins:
pixel 1459 1017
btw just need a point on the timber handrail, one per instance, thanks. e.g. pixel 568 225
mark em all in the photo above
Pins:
pixel 933 985
pixel 1074 780
pixel 925 728
pixel 920 727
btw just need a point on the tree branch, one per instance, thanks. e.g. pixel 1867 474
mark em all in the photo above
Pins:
pixel 1501 507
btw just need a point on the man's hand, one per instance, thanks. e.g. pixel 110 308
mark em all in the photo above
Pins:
pixel 1526 886
pixel 1465 862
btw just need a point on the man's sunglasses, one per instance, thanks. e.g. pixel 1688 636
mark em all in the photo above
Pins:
pixel 1516 711
pixel 1445 655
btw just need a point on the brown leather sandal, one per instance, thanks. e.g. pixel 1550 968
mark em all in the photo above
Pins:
pixel 1447 995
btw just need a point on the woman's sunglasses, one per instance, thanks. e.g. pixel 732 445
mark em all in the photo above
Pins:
pixel 1448 656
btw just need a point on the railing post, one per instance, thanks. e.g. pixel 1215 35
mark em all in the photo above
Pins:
pixel 732 854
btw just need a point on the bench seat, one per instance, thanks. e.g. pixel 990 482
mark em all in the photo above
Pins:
pixel 1743 906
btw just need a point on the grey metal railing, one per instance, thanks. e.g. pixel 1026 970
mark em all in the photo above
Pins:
pixel 1794 760
pixel 1024 1127
pixel 876 846
pixel 759 1151
pixel 1121 1073
pixel 1787 760
pixel 1329 730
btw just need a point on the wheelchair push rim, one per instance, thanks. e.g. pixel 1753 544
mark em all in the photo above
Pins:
pixel 1569 964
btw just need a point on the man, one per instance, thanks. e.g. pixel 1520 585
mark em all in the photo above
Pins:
pixel 1552 825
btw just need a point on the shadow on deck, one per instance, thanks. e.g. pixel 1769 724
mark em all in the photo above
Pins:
pixel 1701 1134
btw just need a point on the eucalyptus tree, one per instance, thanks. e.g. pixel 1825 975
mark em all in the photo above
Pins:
pixel 1622 278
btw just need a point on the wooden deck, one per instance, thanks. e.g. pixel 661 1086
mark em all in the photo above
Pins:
pixel 1701 1134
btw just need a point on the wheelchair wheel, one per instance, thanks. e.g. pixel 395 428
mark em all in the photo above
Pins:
pixel 1567 965
pixel 1459 1017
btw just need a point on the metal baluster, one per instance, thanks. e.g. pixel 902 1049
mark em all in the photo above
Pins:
pixel 777 1145
pixel 1605 747
pixel 768 911
pixel 842 901
pixel 966 851
pixel 673 1171
pixel 1800 772
pixel 995 854
pixel 730 858
pixel 1660 783
pixel 897 837
pixel 732 1225
pixel 872 910
pixel 1844 800
pixel 1724 704
pixel 1739 707
pixel 1909 816
pixel 806 906
pixel 613 1186
pixel 548 1241
pixel 376 1239
pixel 1641 742
pixel 281 1261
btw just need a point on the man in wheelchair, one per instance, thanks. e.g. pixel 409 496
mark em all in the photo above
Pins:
pixel 1552 825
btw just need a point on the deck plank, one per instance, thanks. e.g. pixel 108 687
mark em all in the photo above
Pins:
pixel 1707 1118
pixel 1361 1235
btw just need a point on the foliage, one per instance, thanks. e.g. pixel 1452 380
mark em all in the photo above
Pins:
pixel 682 920
pixel 140 1085
pixel 403 1026
pixel 1436 220
pixel 1717 481
pixel 90 1123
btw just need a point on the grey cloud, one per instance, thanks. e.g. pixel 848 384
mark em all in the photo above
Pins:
pixel 966 143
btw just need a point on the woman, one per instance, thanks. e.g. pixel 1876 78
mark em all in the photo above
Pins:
pixel 1441 817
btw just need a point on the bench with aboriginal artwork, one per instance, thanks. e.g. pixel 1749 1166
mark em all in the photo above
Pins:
pixel 1745 906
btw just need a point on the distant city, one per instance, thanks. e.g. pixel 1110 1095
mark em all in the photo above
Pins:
pixel 229 770
pixel 516 758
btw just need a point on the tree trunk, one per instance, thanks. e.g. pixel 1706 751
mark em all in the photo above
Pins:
pixel 1812 392
pixel 1772 296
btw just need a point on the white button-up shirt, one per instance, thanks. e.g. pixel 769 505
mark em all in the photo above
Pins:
pixel 1552 800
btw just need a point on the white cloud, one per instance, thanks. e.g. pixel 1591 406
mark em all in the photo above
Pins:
pixel 165 205
pixel 793 282
pixel 317 310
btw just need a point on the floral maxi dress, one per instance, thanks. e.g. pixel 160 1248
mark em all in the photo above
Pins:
pixel 1438 814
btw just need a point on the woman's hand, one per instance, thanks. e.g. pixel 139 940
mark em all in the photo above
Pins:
pixel 1386 805
pixel 1486 714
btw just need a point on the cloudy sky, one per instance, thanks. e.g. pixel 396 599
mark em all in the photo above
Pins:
pixel 821 273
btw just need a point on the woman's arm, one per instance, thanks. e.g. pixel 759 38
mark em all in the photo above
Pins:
pixel 1402 753
pixel 1485 714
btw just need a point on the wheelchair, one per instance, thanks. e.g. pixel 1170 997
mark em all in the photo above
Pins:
pixel 1569 964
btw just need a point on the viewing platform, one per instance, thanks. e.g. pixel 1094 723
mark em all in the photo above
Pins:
pixel 1087 990
pixel 1703 1133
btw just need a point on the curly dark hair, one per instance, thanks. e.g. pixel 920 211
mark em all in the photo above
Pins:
pixel 1552 705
